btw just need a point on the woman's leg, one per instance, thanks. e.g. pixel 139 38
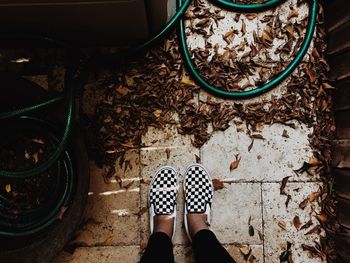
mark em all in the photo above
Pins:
pixel 159 249
pixel 207 248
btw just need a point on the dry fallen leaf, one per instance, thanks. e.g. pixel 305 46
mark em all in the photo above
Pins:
pixel 245 250
pixel 285 134
pixel 61 212
pixel 142 211
pixel 217 184
pixel 8 188
pixel 128 185
pixel 186 81
pixel 283 185
pixel 313 161
pixel 257 136
pixel 282 225
pixel 296 222
pixel 312 197
pixel 304 203
pixel 307 225
pixel 251 230
pixel 289 197
pixel 157 113
pixel 250 145
pixel 314 230
pixel 267 38
pixel 167 151
pixel 38 141
pixel 244 27
pixel 108 241
pixel 235 163
pixel 122 90
pixel 322 218
pixel 36 157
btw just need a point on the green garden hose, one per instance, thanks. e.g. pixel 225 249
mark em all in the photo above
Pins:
pixel 266 87
pixel 247 8
pixel 31 220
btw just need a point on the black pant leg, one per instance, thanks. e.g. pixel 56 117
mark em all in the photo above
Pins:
pixel 207 249
pixel 159 249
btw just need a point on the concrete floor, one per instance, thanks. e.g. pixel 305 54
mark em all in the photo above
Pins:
pixel 116 228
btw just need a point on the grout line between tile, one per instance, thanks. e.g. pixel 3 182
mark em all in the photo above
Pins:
pixel 262 219
pixel 267 182
pixel 140 203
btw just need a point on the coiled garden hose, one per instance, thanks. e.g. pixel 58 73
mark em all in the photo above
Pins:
pixel 22 122
pixel 32 221
pixel 272 83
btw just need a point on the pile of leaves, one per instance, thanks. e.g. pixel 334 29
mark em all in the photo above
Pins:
pixel 155 90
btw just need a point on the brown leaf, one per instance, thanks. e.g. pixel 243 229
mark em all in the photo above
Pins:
pixel 306 166
pixel 218 184
pixel 296 222
pixel 313 161
pixel 122 90
pixel 254 51
pixel 167 151
pixel 129 185
pixel 245 250
pixel 251 230
pixel 293 14
pixel 250 145
pixel 307 225
pixel 282 225
pixel 312 250
pixel 316 229
pixel 267 38
pixel 244 27
pixel 285 134
pixel 198 159
pixel 38 141
pixel 251 16
pixel 186 81
pixel 8 188
pixel 312 197
pixel 289 197
pixel 283 185
pixel 157 113
pixel 257 136
pixel 62 212
pixel 304 203
pixel 322 218
pixel 235 163
pixel 142 211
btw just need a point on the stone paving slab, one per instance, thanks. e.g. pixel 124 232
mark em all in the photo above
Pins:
pixel 110 217
pixel 278 220
pixel 269 159
pixel 232 209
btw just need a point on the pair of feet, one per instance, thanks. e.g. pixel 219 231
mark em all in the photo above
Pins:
pixel 198 189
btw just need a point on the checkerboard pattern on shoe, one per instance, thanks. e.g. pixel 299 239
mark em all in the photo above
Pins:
pixel 163 191
pixel 198 189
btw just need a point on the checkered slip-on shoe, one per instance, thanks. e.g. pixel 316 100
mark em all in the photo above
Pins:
pixel 198 188
pixel 162 194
